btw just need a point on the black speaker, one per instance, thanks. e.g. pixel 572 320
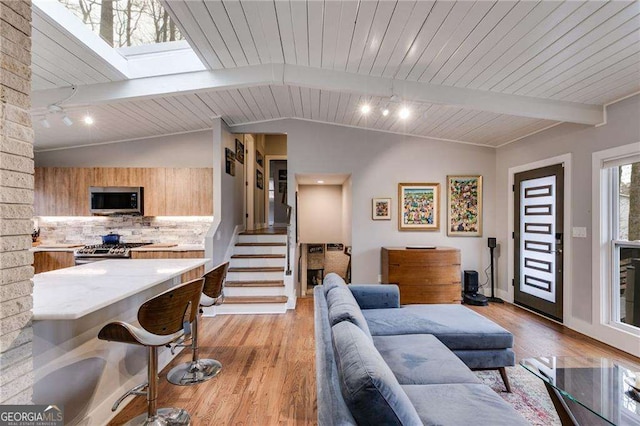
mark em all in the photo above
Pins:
pixel 492 242
pixel 470 282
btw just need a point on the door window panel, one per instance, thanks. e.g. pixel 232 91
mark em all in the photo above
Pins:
pixel 626 244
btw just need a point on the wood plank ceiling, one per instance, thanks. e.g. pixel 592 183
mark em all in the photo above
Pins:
pixel 585 52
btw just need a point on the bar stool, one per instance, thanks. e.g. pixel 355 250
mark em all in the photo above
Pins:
pixel 200 370
pixel 161 321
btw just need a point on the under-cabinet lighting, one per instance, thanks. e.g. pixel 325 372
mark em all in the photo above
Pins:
pixel 320 181
pixel 183 218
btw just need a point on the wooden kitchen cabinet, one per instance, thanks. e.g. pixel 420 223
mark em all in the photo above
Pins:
pixel 64 191
pixel 189 192
pixel 173 254
pixel 44 261
pixel 423 275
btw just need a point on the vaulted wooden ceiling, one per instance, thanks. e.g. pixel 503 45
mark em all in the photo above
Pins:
pixel 548 54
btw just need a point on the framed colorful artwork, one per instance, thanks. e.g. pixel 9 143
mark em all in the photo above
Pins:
pixel 464 206
pixel 419 206
pixel 239 151
pixel 381 209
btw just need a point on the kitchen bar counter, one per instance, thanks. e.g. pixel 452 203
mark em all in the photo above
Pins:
pixel 179 247
pixel 72 367
pixel 71 293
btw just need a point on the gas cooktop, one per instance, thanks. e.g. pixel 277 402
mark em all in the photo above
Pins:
pixel 107 250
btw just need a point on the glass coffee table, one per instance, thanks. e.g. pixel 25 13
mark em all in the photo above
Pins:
pixel 589 391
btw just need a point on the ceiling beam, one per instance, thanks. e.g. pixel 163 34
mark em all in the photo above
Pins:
pixel 338 81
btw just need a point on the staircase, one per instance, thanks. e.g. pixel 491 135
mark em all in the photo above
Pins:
pixel 255 281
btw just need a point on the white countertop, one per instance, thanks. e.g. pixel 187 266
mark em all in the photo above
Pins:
pixel 179 247
pixel 71 293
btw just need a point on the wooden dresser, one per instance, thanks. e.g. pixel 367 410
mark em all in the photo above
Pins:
pixel 423 275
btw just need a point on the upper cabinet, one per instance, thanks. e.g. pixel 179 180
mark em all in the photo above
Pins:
pixel 64 191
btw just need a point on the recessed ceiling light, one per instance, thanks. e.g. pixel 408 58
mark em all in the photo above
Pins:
pixel 385 112
pixel 365 108
pixel 404 113
pixel 320 181
pixel 88 120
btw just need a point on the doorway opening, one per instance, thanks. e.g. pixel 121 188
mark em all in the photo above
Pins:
pixel 324 228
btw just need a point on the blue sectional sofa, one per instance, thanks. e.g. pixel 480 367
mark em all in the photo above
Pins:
pixel 379 363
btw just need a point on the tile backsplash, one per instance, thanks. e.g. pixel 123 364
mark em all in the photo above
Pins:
pixel 89 229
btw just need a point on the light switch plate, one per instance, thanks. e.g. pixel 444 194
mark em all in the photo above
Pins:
pixel 579 232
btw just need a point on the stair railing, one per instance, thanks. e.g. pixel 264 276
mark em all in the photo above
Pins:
pixel 289 210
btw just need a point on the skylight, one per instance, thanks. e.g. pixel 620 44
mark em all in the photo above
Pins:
pixel 125 23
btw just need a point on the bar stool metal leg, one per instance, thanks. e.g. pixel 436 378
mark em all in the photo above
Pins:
pixel 196 371
pixel 155 416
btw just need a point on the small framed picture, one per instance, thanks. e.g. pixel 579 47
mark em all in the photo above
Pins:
pixel 230 161
pixel 259 159
pixel 464 206
pixel 259 179
pixel 239 151
pixel 419 206
pixel 335 247
pixel 381 209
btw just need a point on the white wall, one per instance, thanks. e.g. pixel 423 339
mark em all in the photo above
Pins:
pixel 581 142
pixel 321 213
pixel 377 162
pixel 185 150
pixel 228 193
pixel 347 194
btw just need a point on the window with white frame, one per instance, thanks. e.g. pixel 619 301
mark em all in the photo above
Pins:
pixel 624 236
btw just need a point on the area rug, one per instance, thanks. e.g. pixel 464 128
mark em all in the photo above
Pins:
pixel 529 397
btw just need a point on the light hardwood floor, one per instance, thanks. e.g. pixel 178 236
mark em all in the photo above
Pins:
pixel 268 374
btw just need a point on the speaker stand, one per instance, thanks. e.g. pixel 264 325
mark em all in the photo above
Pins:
pixel 493 297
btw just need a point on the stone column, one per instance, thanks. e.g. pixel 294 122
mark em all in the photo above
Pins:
pixel 16 203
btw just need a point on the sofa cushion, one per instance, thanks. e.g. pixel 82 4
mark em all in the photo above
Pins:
pixel 368 386
pixel 376 296
pixel 457 326
pixel 461 404
pixel 421 359
pixel 343 307
pixel 331 281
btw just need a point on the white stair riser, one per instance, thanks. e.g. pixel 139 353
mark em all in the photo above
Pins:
pixel 257 263
pixel 259 250
pixel 254 291
pixel 254 276
pixel 265 238
pixel 246 308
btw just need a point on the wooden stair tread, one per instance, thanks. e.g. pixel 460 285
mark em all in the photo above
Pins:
pixel 234 300
pixel 254 283
pixel 257 269
pixel 261 244
pixel 258 256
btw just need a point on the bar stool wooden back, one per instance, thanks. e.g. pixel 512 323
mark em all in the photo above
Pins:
pixel 200 370
pixel 161 320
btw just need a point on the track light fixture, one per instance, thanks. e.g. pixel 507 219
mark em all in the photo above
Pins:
pixel 67 121
pixel 45 123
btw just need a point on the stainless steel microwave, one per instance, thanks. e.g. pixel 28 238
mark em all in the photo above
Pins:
pixel 107 200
